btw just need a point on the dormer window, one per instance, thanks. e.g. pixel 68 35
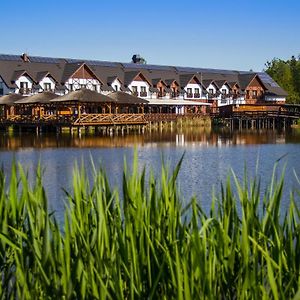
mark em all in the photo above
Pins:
pixel 224 92
pixel 211 91
pixel 116 88
pixel 47 86
pixel 143 91
pixel 24 87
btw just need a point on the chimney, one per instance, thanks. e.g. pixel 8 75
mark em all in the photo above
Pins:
pixel 25 57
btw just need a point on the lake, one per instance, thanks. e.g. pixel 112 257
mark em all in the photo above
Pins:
pixel 209 155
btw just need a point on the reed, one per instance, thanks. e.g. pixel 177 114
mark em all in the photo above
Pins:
pixel 147 245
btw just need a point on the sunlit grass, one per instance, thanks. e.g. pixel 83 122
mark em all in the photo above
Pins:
pixel 147 246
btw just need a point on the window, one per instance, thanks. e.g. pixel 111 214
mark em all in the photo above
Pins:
pixel 197 91
pixel 47 86
pixel 116 88
pixel 143 91
pixel 83 86
pixel 254 94
pixel 211 91
pixel 71 87
pixel 95 87
pixel 23 87
pixel 134 90
pixel 189 93
pixel 224 91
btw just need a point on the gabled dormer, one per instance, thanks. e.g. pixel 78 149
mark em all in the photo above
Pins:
pixel 46 81
pixel 224 87
pixel 24 82
pixel 79 75
pixel 115 83
pixel 211 88
pixel 192 85
pixel 138 83
pixel 158 88
pixel 252 86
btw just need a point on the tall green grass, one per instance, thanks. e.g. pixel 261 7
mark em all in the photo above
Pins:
pixel 147 246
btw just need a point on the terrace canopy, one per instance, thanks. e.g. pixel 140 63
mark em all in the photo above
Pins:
pixel 84 96
pixel 42 98
pixel 10 99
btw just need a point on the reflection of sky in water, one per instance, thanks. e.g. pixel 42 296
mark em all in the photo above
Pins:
pixel 203 167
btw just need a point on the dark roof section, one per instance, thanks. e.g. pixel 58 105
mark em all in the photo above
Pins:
pixel 207 82
pixel 124 98
pixel 245 79
pixel 275 91
pixel 170 81
pixel 220 83
pixel 17 74
pixel 83 95
pixel 107 88
pixel 129 76
pixel 60 67
pixel 43 97
pixel 186 78
pixel 69 70
pixel 10 99
pixel 153 89
pixel 111 79
pixel 155 81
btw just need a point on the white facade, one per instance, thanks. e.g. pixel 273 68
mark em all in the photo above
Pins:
pixel 274 98
pixel 47 80
pixel 116 85
pixel 193 87
pixel 139 85
pixel 73 84
pixel 26 81
pixel 212 88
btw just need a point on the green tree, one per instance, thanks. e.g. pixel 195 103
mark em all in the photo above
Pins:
pixel 287 75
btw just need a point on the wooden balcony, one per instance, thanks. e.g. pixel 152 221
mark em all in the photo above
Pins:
pixel 143 94
pixel 25 91
pixel 161 95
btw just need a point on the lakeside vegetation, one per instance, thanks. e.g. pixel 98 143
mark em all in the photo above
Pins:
pixel 287 74
pixel 148 245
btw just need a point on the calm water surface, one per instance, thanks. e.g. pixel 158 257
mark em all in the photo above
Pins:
pixel 209 156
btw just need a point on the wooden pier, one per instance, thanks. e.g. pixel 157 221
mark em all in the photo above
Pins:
pixel 257 116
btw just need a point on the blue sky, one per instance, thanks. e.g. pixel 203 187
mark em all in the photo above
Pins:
pixel 232 34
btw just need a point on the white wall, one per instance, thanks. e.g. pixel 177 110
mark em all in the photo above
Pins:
pixel 213 87
pixel 77 82
pixel 47 79
pixel 225 87
pixel 193 86
pixel 140 84
pixel 23 78
pixel 117 83
pixel 275 98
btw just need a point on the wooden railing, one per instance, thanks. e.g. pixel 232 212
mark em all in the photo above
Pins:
pixel 83 120
pixel 157 117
